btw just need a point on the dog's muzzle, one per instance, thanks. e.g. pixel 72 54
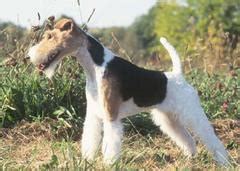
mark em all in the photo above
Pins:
pixel 49 60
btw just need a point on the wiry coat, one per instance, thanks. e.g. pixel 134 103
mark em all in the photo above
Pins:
pixel 116 88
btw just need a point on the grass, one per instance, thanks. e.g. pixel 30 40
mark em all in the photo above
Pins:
pixel 24 94
pixel 41 122
pixel 37 145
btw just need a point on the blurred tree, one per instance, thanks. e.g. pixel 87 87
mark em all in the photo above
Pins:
pixel 123 41
pixel 143 27
pixel 217 29
pixel 171 21
pixel 198 29
pixel 226 13
pixel 10 34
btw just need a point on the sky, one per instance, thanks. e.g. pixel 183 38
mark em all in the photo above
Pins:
pixel 107 12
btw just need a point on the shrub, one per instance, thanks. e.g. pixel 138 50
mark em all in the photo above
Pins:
pixel 219 93
pixel 24 94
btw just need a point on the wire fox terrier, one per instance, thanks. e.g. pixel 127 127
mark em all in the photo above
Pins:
pixel 116 88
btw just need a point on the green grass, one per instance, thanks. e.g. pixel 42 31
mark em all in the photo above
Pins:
pixel 24 94
pixel 219 93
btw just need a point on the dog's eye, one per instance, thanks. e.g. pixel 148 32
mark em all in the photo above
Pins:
pixel 49 36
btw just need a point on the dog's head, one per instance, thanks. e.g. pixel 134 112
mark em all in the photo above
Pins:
pixel 64 39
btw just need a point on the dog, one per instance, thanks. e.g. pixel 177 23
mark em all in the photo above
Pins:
pixel 116 88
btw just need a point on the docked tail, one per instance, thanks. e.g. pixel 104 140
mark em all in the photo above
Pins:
pixel 177 68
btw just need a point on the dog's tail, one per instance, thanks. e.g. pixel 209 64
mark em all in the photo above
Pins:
pixel 177 68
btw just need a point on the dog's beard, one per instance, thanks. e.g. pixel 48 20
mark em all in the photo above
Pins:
pixel 50 70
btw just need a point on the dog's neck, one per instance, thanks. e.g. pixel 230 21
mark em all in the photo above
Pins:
pixel 94 58
pixel 84 58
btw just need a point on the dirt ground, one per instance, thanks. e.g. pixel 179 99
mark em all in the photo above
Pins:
pixel 39 144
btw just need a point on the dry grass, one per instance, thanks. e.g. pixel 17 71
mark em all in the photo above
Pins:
pixel 38 145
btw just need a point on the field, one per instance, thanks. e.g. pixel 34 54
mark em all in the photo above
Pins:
pixel 36 145
pixel 42 121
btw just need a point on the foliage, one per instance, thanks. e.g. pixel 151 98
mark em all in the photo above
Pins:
pixel 205 33
pixel 24 94
pixel 123 41
pixel 201 25
pixel 143 28
pixel 224 14
pixel 181 22
pixel 10 35
pixel 219 94
pixel 199 30
pixel 171 21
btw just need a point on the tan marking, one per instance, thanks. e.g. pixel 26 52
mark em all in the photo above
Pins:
pixel 66 38
pixel 111 97
pixel 64 24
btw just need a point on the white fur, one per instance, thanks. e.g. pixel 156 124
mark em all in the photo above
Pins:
pixel 91 136
pixel 182 105
pixel 177 68
pixel 32 54
pixel 108 56
pixel 175 130
pixel 49 71
pixel 113 132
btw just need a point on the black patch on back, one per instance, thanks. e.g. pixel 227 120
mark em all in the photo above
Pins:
pixel 96 50
pixel 145 86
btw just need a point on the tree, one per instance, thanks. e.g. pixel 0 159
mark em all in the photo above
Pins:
pixel 171 21
pixel 225 14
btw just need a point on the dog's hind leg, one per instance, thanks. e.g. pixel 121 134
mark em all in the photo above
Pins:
pixel 197 121
pixel 192 116
pixel 175 131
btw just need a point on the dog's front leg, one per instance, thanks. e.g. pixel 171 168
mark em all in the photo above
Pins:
pixel 113 132
pixel 92 130
pixel 110 100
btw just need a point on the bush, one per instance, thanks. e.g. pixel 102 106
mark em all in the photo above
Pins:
pixel 24 94
pixel 219 93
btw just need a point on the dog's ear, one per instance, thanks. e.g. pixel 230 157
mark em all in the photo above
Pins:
pixel 65 25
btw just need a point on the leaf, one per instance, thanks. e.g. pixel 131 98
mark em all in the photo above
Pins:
pixel 60 111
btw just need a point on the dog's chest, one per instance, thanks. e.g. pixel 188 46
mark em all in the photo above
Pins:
pixel 93 86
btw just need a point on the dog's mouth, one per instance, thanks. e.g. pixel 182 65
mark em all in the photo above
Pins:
pixel 51 57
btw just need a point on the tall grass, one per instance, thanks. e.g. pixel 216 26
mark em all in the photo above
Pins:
pixel 25 94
